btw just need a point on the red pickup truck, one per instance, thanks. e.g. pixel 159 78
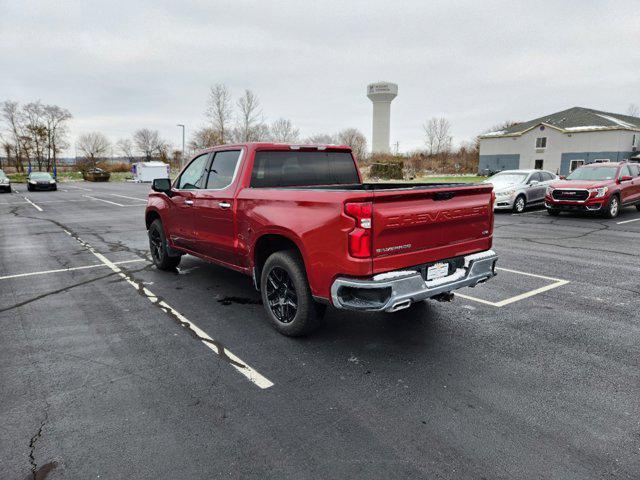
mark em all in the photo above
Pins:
pixel 596 188
pixel 300 221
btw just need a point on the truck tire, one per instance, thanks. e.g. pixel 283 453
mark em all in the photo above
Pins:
pixel 637 205
pixel 519 204
pixel 613 207
pixel 159 248
pixel 286 295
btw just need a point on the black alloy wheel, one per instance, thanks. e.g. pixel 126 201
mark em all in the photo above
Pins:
pixel 281 295
pixel 159 249
pixel 155 245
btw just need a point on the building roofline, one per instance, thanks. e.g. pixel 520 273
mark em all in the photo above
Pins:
pixel 570 130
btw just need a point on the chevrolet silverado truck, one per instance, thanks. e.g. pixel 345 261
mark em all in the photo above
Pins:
pixel 602 188
pixel 299 220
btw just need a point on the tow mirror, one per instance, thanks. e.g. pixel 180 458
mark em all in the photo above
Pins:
pixel 625 178
pixel 162 185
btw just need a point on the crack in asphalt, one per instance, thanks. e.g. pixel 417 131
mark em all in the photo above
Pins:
pixel 54 292
pixel 42 472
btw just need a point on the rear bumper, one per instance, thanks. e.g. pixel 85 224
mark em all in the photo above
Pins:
pixel 394 291
pixel 49 186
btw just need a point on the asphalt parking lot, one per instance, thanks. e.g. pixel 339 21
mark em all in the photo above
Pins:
pixel 533 375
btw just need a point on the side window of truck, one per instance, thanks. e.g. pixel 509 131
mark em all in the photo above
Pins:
pixel 223 166
pixel 192 177
pixel 635 170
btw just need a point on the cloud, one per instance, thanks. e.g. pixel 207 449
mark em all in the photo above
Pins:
pixel 122 65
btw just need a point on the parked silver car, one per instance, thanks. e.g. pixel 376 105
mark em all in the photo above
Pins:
pixel 517 189
pixel 5 183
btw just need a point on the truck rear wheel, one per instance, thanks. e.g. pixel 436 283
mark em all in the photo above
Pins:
pixel 286 295
pixel 159 248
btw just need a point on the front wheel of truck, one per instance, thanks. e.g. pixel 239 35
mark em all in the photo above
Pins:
pixel 286 295
pixel 159 248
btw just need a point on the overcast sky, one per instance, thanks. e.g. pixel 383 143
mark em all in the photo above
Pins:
pixel 122 65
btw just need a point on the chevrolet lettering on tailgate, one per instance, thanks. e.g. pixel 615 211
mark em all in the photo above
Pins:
pixel 435 216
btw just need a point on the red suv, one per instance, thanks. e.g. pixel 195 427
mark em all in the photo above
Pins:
pixel 598 187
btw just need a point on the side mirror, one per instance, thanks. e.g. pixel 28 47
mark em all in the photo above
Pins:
pixel 533 183
pixel 625 178
pixel 162 185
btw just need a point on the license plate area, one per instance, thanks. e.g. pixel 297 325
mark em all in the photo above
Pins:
pixel 438 270
pixel 451 263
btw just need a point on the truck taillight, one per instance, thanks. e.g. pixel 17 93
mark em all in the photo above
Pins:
pixel 360 236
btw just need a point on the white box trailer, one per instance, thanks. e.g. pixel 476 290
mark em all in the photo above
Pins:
pixel 148 171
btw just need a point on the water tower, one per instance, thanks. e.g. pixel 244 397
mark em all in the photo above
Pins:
pixel 381 94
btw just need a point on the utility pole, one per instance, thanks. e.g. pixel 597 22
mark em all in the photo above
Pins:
pixel 182 157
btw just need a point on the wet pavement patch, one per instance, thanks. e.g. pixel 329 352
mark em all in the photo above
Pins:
pixel 239 301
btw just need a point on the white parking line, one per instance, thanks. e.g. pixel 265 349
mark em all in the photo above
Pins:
pixel 528 213
pixel 70 269
pixel 628 221
pixel 36 206
pixel 132 198
pixel 105 201
pixel 213 345
pixel 557 282
pixel 45 202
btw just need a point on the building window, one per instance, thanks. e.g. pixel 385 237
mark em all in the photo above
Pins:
pixel 541 142
pixel 636 141
pixel 575 164
pixel 538 164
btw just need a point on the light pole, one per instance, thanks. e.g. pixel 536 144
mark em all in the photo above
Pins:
pixel 182 157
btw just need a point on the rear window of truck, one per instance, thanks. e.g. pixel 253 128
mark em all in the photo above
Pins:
pixel 303 168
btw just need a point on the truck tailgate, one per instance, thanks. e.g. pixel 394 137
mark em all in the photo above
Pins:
pixel 413 227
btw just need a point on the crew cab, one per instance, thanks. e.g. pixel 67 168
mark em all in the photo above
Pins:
pixel 299 220
pixel 596 188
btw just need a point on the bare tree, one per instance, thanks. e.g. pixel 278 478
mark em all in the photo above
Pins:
pixel 322 139
pixel 149 143
pixel 10 113
pixel 219 111
pixel 93 146
pixel 124 147
pixel 35 141
pixel 438 138
pixel 250 127
pixel 56 119
pixel 633 110
pixel 356 140
pixel 283 131
pixel 205 137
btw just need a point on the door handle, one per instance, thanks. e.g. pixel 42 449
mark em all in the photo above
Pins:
pixel 224 205
pixel 188 202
